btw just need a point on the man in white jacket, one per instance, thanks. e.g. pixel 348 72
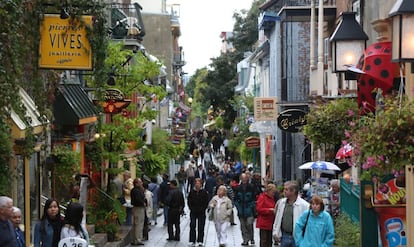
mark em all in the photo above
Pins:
pixel 288 210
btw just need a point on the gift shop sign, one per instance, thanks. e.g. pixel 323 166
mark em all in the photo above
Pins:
pixel 265 109
pixel 252 142
pixel 63 43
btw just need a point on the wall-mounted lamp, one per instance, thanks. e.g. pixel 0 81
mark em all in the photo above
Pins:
pixel 64 13
pixel 402 14
pixel 348 43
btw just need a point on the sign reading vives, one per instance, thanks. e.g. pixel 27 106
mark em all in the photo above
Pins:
pixel 63 43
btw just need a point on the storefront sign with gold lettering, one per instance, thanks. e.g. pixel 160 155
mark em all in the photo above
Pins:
pixel 291 120
pixel 63 43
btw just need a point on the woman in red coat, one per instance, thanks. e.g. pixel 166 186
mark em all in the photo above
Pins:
pixel 265 206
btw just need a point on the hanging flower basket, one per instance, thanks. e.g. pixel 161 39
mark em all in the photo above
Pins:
pixel 384 142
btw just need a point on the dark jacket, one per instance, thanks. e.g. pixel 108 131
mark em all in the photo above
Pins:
pixel 175 200
pixel 7 234
pixel 20 238
pixel 197 201
pixel 163 192
pixel 245 200
pixel 44 232
pixel 137 197
pixel 203 175
pixel 209 186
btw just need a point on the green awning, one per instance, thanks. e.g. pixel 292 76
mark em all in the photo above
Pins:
pixel 72 106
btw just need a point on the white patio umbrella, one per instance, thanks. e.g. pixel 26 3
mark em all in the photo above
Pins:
pixel 320 165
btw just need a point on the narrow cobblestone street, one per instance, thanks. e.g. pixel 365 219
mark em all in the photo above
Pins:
pixel 158 234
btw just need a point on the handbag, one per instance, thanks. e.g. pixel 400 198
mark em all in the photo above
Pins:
pixel 211 214
pixel 306 223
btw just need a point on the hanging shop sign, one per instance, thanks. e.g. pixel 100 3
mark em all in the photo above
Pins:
pixel 291 120
pixel 252 142
pixel 63 43
pixel 114 101
pixel 265 108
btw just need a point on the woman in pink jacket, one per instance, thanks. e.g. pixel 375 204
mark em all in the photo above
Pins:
pixel 265 207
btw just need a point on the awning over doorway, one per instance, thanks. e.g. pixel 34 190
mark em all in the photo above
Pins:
pixel 20 126
pixel 72 106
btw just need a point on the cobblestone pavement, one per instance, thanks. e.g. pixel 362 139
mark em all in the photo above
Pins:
pixel 158 234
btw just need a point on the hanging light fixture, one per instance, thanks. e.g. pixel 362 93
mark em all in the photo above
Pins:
pixel 348 43
pixel 402 14
pixel 64 13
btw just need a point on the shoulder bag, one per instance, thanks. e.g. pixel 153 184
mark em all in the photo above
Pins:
pixel 306 222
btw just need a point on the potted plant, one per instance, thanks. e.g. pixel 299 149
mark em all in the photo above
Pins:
pixel 107 214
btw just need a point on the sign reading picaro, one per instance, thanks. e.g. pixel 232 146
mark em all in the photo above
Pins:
pixel 291 120
pixel 63 43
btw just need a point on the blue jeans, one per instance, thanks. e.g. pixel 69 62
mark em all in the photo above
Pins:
pixel 128 218
pixel 165 214
pixel 287 240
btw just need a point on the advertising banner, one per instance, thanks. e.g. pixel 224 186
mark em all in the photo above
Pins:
pixel 391 195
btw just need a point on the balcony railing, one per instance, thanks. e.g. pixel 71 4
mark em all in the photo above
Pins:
pixel 291 3
pixel 126 21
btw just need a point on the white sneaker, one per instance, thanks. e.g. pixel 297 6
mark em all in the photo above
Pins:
pixel 191 244
pixel 200 244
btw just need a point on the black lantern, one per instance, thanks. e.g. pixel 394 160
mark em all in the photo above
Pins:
pixel 348 43
pixel 402 14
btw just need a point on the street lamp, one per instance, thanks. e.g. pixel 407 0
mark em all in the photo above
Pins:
pixel 348 43
pixel 402 14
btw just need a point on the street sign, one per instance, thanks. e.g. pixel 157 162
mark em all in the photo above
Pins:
pixel 114 101
pixel 265 108
pixel 252 142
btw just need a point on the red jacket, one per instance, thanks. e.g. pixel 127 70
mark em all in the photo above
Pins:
pixel 265 216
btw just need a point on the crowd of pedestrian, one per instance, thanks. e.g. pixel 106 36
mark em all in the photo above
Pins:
pixel 215 188
pixel 219 189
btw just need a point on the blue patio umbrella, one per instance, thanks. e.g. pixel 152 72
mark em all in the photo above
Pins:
pixel 320 165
